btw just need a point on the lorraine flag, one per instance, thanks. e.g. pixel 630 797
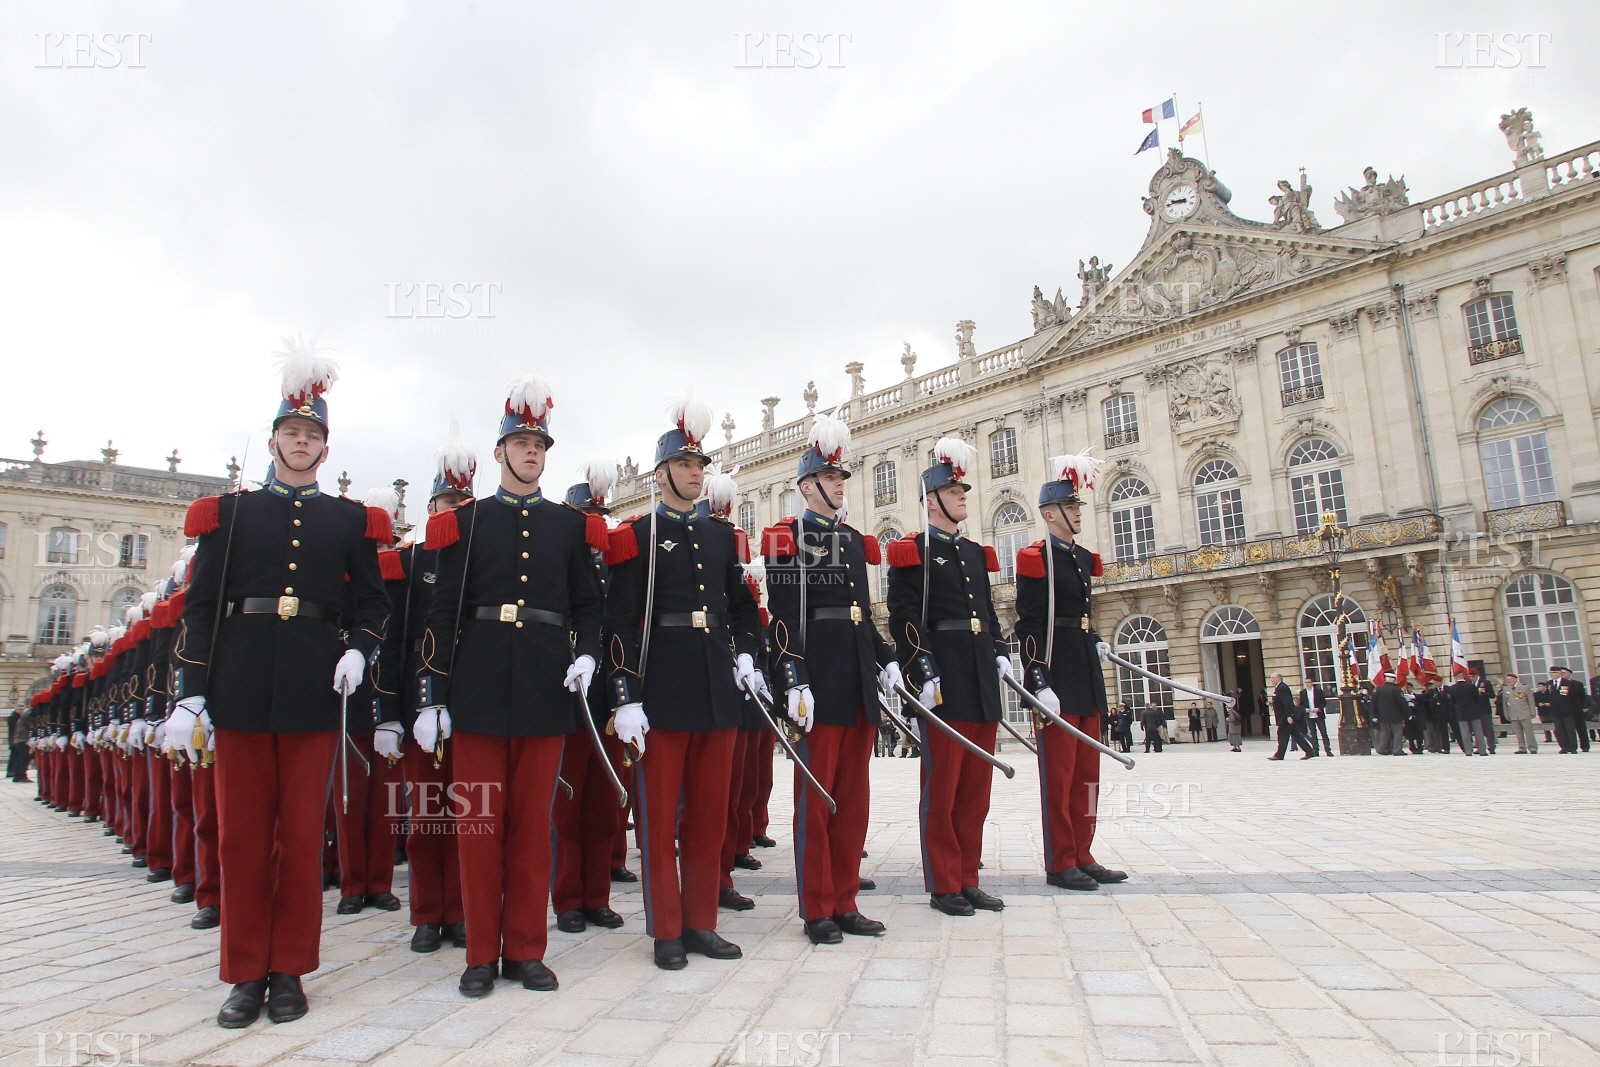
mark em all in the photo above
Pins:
pixel 1424 658
pixel 1152 140
pixel 1167 109
pixel 1378 667
pixel 1190 128
pixel 1458 655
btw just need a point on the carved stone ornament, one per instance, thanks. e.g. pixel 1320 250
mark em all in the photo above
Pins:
pixel 810 397
pixel 1049 314
pixel 1291 208
pixel 1521 137
pixel 1267 582
pixel 1291 337
pixel 858 381
pixel 1382 313
pixel 965 349
pixel 908 360
pixel 1219 589
pixel 1244 352
pixel 1425 306
pixel 1201 391
pixel 1551 268
pixel 1503 385
pixel 1114 386
pixel 1075 397
pixel 769 417
pixel 1482 287
pixel 1345 322
pixel 1373 198
pixel 1094 278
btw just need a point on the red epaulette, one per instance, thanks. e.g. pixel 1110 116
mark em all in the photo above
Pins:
pixel 379 526
pixel 903 552
pixel 391 565
pixel 99 669
pixel 140 631
pixel 991 562
pixel 777 542
pixel 596 532
pixel 79 680
pixel 1098 568
pixel 1030 561
pixel 622 545
pixel 444 530
pixel 176 600
pixel 741 544
pixel 204 516
pixel 873 550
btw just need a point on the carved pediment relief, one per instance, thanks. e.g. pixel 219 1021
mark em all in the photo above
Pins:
pixel 1201 396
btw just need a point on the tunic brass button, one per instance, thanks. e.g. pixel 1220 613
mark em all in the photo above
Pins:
pixel 520 604
pixel 702 589
pixel 288 590
pixel 694 546
pixel 519 621
pixel 691 530
pixel 524 511
pixel 524 555
pixel 524 533
pixel 699 566
pixel 524 577
pixel 298 504
pixel 294 566
pixel 297 522
pixel 294 544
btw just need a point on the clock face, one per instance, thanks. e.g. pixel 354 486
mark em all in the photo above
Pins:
pixel 1180 202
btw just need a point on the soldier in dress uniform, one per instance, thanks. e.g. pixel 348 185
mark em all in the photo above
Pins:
pixel 828 663
pixel 498 677
pixel 165 621
pixel 158 772
pixel 411 573
pixel 1061 657
pixel 260 654
pixel 949 644
pixel 681 633
pixel 588 821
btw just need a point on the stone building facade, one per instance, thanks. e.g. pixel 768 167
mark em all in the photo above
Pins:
pixel 1429 371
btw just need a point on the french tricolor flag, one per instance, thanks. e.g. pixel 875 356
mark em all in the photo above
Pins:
pixel 1167 109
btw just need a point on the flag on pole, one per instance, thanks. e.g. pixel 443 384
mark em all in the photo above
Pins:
pixel 1378 666
pixel 1425 665
pixel 1152 140
pixel 1408 664
pixel 1458 655
pixel 1193 126
pixel 1167 109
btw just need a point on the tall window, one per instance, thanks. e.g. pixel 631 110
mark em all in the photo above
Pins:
pixel 1492 329
pixel 63 545
pixel 1010 535
pixel 1133 524
pixel 1002 453
pixel 2 540
pixel 1318 632
pixel 1016 713
pixel 133 550
pixel 880 573
pixel 1315 483
pixel 885 489
pixel 1543 617
pixel 121 601
pixel 1122 420
pixel 1219 503
pixel 58 615
pixel 789 502
pixel 1516 457
pixel 1143 641
pixel 747 518
pixel 1300 374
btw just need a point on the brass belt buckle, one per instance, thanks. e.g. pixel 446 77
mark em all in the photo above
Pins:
pixel 1085 622
pixel 855 613
pixel 508 613
pixel 697 619
pixel 288 607
pixel 977 625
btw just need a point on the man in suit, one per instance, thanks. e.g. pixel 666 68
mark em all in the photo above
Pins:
pixel 1152 719
pixel 1567 699
pixel 1580 704
pixel 1314 713
pixel 1465 696
pixel 1390 702
pixel 1287 712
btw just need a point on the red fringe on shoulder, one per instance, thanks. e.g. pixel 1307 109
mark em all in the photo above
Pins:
pixel 991 562
pixel 378 526
pixel 904 553
pixel 1030 562
pixel 444 530
pixel 391 565
pixel 874 551
pixel 596 532
pixel 1099 568
pixel 777 542
pixel 203 516
pixel 741 544
pixel 623 545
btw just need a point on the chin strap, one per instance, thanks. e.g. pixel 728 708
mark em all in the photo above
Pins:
pixel 310 466
pixel 938 498
pixel 675 490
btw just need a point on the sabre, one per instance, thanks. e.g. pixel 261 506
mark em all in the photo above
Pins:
pixel 600 750
pixel 928 716
pixel 565 786
pixel 1227 701
pixel 1093 742
pixel 900 724
pixel 783 740
pixel 1012 730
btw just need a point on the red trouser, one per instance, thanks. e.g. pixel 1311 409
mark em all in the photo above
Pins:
pixel 271 794
pixel 431 840
pixel 955 803
pixel 757 751
pixel 586 828
pixel 731 844
pixel 619 844
pixel 503 822
pixel 1069 791
pixel 370 830
pixel 766 743
pixel 158 833
pixel 208 860
pixel 827 847
pixel 93 787
pixel 117 792
pixel 681 797
pixel 182 824
pixel 138 770
pixel 76 774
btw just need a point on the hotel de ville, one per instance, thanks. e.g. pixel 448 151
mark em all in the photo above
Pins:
pixel 1426 370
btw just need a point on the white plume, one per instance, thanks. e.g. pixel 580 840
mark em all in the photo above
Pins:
pixel 1080 469
pixel 385 498
pixel 601 474
pixel 148 601
pixel 456 461
pixel 755 571
pixel 691 416
pixel 61 663
pixel 529 395
pixel 306 371
pixel 830 436
pixel 180 571
pixel 83 648
pixel 720 489
pixel 961 456
pixel 188 552
pixel 116 633
pixel 131 615
pixel 99 638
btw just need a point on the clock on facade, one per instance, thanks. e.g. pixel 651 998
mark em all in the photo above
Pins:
pixel 1180 202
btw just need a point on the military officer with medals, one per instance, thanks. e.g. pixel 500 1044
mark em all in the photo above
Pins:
pixel 681 634
pixel 498 678
pixel 949 645
pixel 1061 657
pixel 260 655
pixel 828 663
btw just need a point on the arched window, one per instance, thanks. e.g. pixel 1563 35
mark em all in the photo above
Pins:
pixel 1515 455
pixel 1219 503
pixel 1229 622
pixel 58 615
pixel 1143 640
pixel 881 572
pixel 1317 630
pixel 1542 615
pixel 1316 484
pixel 120 602
pixel 1133 524
pixel 1010 534
pixel 1300 374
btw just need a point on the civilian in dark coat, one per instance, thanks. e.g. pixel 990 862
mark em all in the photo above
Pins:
pixel 1287 712
pixel 1464 697
pixel 1390 702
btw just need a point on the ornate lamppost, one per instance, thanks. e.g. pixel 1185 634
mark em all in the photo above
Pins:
pixel 1354 738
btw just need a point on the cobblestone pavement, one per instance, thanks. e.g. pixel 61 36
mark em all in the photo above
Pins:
pixel 1343 911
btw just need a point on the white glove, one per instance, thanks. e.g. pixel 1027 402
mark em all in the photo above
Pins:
pixel 432 723
pixel 1104 650
pixel 630 724
pixel 348 674
pixel 180 726
pixel 928 698
pixel 744 667
pixel 580 674
pixel 136 735
pixel 61 743
pixel 802 707
pixel 890 676
pixel 149 731
pixel 1003 664
pixel 1048 698
pixel 210 731
pixel 386 740
pixel 77 740
pixel 158 737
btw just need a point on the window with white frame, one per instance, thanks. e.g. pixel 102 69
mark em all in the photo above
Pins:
pixel 1300 374
pixel 58 615
pixel 62 546
pixel 747 518
pixel 885 490
pixel 1318 632
pixel 117 607
pixel 1133 524
pixel 1515 454
pixel 1122 420
pixel 1003 453
pixel 1316 484
pixel 880 573
pixel 1542 616
pixel 1142 640
pixel 1219 503
pixel 2 540
pixel 1492 329
pixel 789 502
pixel 1017 714
pixel 1011 535
pixel 133 550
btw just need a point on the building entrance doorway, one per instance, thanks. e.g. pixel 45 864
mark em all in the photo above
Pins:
pixel 1230 656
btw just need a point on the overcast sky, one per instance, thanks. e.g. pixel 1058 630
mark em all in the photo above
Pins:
pixel 655 198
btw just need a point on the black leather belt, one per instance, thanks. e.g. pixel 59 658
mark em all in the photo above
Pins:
pixel 973 625
pixel 285 607
pixel 700 620
pixel 512 613
pixel 853 613
pixel 1076 622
